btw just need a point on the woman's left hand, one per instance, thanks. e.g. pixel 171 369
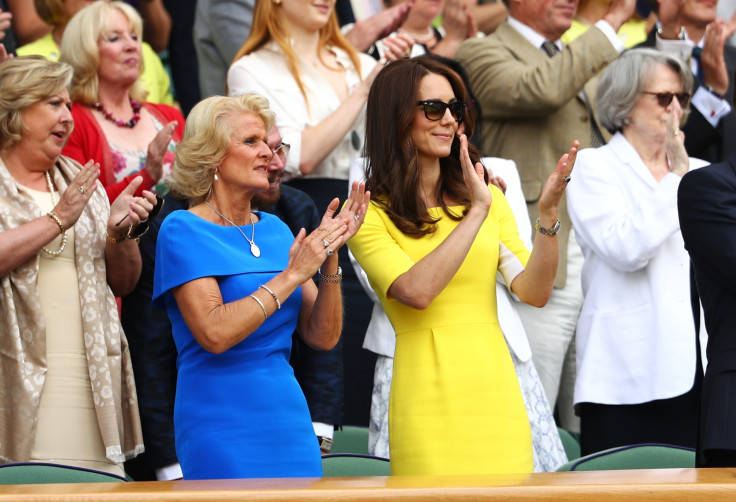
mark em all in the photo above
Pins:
pixel 351 216
pixel 556 184
pixel 128 211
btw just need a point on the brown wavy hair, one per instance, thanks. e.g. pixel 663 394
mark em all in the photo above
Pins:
pixel 392 168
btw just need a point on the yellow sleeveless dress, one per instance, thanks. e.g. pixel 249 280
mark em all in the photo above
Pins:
pixel 455 406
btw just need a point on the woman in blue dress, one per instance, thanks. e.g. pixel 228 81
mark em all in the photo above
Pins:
pixel 235 284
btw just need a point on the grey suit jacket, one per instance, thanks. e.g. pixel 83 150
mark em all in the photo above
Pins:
pixel 532 108
pixel 220 29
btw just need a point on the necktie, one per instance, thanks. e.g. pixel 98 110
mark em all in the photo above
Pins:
pixel 697 52
pixel 596 138
pixel 550 48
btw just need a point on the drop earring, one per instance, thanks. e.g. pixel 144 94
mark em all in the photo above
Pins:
pixel 217 170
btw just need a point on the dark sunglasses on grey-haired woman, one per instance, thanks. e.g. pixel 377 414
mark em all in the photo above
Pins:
pixel 665 98
pixel 434 109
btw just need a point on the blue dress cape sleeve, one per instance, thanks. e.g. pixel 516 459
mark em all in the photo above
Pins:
pixel 190 247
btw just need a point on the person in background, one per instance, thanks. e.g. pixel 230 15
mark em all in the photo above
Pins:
pixel 638 369
pixel 632 32
pixel 58 13
pixel 235 289
pixel 691 31
pixel 66 365
pixel 434 239
pixel 706 206
pixel 114 124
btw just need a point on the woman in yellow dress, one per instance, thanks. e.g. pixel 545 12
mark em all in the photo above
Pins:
pixel 434 237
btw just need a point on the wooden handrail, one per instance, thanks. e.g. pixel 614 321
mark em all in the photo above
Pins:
pixel 599 486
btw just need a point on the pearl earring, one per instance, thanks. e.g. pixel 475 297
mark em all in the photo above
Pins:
pixel 217 170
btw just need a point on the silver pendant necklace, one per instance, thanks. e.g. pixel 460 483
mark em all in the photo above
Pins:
pixel 254 249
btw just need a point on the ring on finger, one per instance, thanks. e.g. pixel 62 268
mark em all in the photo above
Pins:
pixel 325 242
pixel 82 190
pixel 356 217
pixel 330 252
pixel 567 179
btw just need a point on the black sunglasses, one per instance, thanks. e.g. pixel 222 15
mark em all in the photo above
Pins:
pixel 665 98
pixel 434 109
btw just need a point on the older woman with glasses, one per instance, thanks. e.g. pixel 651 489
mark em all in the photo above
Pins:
pixel 638 367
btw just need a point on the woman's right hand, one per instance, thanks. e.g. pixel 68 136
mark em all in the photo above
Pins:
pixel 674 143
pixel 77 194
pixel 157 148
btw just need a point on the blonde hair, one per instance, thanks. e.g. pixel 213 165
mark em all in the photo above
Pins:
pixel 207 139
pixel 79 48
pixel 269 24
pixel 25 81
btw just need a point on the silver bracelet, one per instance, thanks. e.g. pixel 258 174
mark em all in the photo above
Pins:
pixel 331 278
pixel 265 314
pixel 547 231
pixel 275 298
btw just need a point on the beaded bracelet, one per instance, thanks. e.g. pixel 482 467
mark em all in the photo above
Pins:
pixel 275 298
pixel 114 240
pixel 265 314
pixel 331 278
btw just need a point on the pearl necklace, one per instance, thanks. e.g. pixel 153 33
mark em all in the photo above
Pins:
pixel 63 232
pixel 254 249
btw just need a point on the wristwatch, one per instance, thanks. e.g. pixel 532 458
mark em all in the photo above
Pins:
pixel 325 444
pixel 547 231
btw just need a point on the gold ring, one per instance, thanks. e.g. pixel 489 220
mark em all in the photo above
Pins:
pixel 676 132
pixel 82 190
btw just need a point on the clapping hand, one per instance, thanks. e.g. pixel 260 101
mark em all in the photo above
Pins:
pixel 556 184
pixel 131 208
pixel 309 252
pixel 474 176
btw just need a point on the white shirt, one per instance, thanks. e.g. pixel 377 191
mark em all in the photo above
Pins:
pixel 635 333
pixel 265 72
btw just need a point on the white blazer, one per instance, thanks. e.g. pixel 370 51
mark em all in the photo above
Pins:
pixel 380 336
pixel 635 334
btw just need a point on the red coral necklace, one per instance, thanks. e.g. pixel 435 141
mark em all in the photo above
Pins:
pixel 118 122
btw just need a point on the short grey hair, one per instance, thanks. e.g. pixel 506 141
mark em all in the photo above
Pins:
pixel 625 79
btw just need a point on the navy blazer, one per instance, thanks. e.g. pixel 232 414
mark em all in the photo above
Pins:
pixel 707 212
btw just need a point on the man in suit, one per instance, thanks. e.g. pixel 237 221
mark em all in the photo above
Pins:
pixel 691 31
pixel 706 202
pixel 534 95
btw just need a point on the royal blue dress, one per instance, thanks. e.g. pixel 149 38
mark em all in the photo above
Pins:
pixel 239 414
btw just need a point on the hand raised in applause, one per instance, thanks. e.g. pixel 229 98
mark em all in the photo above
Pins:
pixel 309 252
pixel 133 210
pixel 549 201
pixel 157 148
pixel 77 194
pixel 474 176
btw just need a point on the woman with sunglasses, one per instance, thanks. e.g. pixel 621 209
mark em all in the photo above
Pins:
pixel 638 371
pixel 67 384
pixel 434 238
